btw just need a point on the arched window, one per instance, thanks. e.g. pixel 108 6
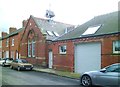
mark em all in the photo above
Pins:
pixel 31 44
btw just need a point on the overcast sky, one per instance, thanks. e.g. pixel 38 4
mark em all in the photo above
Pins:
pixel 12 12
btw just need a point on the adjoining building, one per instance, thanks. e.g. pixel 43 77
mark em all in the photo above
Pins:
pixel 91 46
pixel 10 43
pixel 37 33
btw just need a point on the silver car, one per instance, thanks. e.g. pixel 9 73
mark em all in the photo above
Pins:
pixel 108 76
pixel 6 61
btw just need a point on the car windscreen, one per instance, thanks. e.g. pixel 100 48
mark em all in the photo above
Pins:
pixel 23 61
pixel 8 59
pixel 113 68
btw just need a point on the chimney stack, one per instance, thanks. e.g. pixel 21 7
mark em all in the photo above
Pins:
pixel 24 23
pixel 12 29
pixel 4 34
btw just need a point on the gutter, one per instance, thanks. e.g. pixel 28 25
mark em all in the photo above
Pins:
pixel 9 36
pixel 87 36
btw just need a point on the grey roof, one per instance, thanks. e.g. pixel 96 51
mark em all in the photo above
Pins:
pixel 108 22
pixel 13 33
pixel 50 25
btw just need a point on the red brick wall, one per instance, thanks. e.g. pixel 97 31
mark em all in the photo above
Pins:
pixel 63 61
pixel 4 47
pixel 16 43
pixel 40 44
pixel 107 51
pixel 10 47
pixel 66 62
pixel 16 38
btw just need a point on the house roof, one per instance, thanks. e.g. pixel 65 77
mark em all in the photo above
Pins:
pixel 50 25
pixel 13 33
pixel 108 25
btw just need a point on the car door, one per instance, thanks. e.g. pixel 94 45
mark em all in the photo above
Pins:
pixel 14 64
pixel 7 60
pixel 110 77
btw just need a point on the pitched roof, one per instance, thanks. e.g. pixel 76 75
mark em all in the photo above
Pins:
pixel 13 33
pixel 108 22
pixel 50 25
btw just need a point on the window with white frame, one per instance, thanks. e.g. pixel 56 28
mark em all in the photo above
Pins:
pixel 13 41
pixel 55 33
pixel 62 49
pixel 49 33
pixel 116 46
pixel 31 48
pixel 91 30
pixel 31 43
pixel 7 42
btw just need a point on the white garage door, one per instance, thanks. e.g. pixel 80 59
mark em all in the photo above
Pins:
pixel 87 57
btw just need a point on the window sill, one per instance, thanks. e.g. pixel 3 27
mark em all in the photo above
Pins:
pixel 62 53
pixel 31 57
pixel 118 54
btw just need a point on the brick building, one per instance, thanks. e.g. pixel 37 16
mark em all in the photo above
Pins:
pixel 91 46
pixel 38 31
pixel 10 43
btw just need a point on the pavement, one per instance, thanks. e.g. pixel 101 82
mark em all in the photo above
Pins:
pixel 57 72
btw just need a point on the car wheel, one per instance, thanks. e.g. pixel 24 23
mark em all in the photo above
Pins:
pixel 18 68
pixel 31 69
pixel 86 81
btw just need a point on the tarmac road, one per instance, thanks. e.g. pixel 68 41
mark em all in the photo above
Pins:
pixel 33 78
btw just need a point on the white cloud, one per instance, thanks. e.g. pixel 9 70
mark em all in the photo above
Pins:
pixel 12 12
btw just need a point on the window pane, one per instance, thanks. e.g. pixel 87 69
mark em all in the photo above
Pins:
pixel 12 42
pixel 62 49
pixel 29 49
pixel 33 49
pixel 56 34
pixel 91 30
pixel 112 68
pixel 116 46
pixel 49 33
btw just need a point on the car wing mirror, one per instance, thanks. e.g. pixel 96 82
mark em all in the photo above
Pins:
pixel 103 70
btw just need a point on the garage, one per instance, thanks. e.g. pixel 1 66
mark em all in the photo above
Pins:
pixel 87 57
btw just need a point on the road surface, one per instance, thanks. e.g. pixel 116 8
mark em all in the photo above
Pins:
pixel 33 78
